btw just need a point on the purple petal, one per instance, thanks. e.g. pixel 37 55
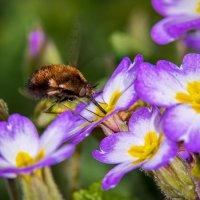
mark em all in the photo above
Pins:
pixel 160 6
pixel 80 107
pixel 151 85
pixel 18 134
pixel 114 148
pixel 168 66
pixel 123 66
pixel 128 98
pixel 123 80
pixel 113 177
pixel 191 63
pixel 182 123
pixel 85 133
pixel 192 40
pixel 119 83
pixel 64 127
pixel 167 151
pixel 143 121
pixel 174 7
pixel 171 28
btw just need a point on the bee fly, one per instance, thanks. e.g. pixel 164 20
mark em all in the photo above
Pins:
pixel 60 82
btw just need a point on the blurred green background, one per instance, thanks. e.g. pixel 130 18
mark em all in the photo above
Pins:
pixel 109 30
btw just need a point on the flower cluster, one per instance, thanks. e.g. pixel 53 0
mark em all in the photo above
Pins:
pixel 178 90
pixel 181 16
pixel 149 139
pixel 161 105
pixel 155 134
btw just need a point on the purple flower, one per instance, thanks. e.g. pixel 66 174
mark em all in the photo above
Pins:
pixel 180 16
pixel 178 90
pixel 36 41
pixel 143 146
pixel 22 150
pixel 118 94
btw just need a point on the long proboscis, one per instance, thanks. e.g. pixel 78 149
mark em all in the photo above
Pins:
pixel 97 104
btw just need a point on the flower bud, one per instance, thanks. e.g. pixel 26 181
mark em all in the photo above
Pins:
pixel 40 51
pixel 36 41
pixel 175 180
pixel 46 111
pixel 3 110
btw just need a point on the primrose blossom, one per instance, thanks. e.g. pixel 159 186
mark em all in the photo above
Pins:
pixel 144 145
pixel 181 16
pixel 117 95
pixel 22 150
pixel 178 90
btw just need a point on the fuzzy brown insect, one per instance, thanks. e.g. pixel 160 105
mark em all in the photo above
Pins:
pixel 61 82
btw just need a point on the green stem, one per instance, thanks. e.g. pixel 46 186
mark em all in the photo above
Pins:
pixel 12 190
pixel 40 186
pixel 74 170
pixel 181 49
pixel 52 187
pixel 34 189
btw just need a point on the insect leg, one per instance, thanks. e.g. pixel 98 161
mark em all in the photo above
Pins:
pixel 53 104
pixel 77 113
pixel 86 108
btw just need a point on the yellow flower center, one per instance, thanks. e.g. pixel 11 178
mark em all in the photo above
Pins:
pixel 192 97
pixel 108 107
pixel 198 7
pixel 148 150
pixel 23 159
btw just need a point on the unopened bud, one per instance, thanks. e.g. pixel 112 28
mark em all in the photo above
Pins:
pixel 40 51
pixel 47 110
pixel 175 180
pixel 36 41
pixel 3 110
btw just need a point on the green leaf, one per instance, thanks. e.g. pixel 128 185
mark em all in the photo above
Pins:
pixel 95 192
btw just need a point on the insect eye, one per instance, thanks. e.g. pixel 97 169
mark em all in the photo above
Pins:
pixel 82 92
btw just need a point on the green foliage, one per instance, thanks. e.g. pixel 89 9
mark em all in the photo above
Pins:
pixel 96 193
